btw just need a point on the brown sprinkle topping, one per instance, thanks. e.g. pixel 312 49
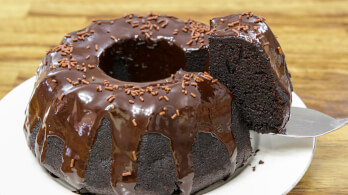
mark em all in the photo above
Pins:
pixel 177 112
pixel 99 89
pixel 166 98
pixel 112 37
pixel 256 27
pixel 134 155
pixel 279 50
pixel 198 79
pixel 134 123
pixel 235 31
pixel 233 24
pixel 108 98
pixel 251 41
pixel 193 83
pixel 126 174
pixel 141 99
pixel 90 66
pixel 152 18
pixel 189 42
pixel 61 96
pixel 165 108
pixel 109 88
pixel 162 113
pixel 131 101
pixel 193 95
pixel 111 99
pixel 164 24
pixel 72 163
pixel 135 25
pixel 173 116
pixel 134 93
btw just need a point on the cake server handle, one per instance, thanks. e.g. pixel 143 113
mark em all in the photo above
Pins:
pixel 305 122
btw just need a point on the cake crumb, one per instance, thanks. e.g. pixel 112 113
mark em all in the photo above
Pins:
pixel 254 168
pixel 261 162
pixel 256 151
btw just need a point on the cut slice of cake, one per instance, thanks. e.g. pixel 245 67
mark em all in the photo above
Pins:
pixel 247 58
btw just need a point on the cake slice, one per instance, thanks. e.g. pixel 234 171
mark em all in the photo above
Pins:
pixel 247 58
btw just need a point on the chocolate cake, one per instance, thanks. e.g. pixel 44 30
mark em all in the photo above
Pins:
pixel 124 106
pixel 247 58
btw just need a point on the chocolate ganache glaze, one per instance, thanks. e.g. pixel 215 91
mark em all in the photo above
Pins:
pixel 78 89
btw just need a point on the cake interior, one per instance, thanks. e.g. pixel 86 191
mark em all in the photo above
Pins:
pixel 244 68
pixel 137 60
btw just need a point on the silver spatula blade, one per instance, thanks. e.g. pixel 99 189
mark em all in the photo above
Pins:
pixel 305 122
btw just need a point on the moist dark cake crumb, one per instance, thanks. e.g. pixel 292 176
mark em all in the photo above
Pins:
pixel 245 55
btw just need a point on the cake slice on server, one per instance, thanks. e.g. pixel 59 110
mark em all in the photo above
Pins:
pixel 246 56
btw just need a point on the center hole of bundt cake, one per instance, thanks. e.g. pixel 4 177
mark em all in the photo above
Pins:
pixel 142 61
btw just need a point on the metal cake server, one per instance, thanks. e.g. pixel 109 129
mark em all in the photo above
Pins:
pixel 305 122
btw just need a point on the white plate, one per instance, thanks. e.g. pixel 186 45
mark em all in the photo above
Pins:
pixel 286 159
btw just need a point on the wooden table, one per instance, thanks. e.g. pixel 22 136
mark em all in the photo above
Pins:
pixel 313 35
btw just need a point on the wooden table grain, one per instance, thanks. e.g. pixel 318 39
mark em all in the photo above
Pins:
pixel 313 35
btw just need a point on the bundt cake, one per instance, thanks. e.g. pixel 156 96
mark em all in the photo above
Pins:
pixel 127 106
pixel 247 58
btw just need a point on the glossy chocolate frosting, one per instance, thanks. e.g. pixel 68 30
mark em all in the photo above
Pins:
pixel 253 29
pixel 72 95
